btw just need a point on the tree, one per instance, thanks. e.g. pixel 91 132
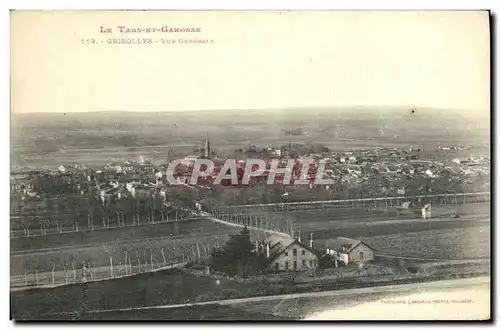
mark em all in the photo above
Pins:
pixel 110 250
pixel 326 261
pixel 238 256
pixel 52 272
pixel 73 263
pixel 66 271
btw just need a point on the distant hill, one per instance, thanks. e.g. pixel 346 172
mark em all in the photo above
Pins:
pixel 336 127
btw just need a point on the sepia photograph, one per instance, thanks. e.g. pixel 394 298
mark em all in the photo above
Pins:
pixel 250 165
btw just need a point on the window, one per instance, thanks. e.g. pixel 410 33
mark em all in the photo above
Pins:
pixel 310 263
pixel 303 264
pixel 286 265
pixel 295 265
pixel 303 252
pixel 277 266
pixel 286 254
pixel 360 255
pixel 294 252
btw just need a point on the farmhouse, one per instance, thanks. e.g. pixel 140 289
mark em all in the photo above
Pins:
pixel 286 253
pixel 349 250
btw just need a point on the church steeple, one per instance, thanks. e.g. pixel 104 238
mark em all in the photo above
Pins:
pixel 207 147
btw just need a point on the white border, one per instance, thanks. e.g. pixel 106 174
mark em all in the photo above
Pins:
pixel 187 4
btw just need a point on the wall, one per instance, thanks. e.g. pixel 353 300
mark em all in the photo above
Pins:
pixel 308 257
pixel 367 253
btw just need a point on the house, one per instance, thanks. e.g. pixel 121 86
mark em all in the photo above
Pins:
pixel 285 253
pixel 189 160
pixel 429 173
pixel 138 190
pixel 274 152
pixel 349 250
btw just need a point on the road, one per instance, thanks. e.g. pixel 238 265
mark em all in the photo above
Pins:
pixel 444 286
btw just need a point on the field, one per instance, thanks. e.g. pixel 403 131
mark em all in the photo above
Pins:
pixel 67 218
pixel 97 138
pixel 396 232
pixel 179 241
pixel 388 231
pixel 196 313
pixel 470 243
pixel 172 229
pixel 149 289
pixel 177 287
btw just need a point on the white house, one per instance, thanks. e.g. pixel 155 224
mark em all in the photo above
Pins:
pixel 429 173
pixel 286 253
pixel 189 160
pixel 349 250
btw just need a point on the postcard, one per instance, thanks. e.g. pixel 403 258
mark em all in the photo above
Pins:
pixel 250 165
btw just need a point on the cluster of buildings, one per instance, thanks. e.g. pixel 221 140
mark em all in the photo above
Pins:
pixel 285 253
pixel 372 172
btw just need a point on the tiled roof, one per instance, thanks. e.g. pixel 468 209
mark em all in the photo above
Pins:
pixel 339 243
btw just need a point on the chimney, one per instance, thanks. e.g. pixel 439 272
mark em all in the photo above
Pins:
pixel 267 250
pixel 311 242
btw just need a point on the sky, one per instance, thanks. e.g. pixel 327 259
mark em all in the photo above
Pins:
pixel 257 60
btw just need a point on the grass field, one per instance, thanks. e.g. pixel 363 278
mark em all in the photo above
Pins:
pixel 149 289
pixel 173 229
pixel 461 243
pixel 176 239
pixel 67 219
pixel 439 237
pixel 401 233
pixel 196 313
pixel 42 140
pixel 348 220
pixel 176 287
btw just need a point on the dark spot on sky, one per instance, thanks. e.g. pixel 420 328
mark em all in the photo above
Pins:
pixel 412 110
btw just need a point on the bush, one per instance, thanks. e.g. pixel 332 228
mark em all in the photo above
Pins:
pixel 206 297
pixel 230 293
pixel 326 261
pixel 412 269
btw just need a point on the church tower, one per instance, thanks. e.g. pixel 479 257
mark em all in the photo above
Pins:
pixel 208 152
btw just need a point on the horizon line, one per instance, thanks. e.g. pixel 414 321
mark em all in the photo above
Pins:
pixel 249 109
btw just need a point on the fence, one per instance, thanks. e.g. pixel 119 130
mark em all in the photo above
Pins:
pixel 75 228
pixel 103 273
pixel 250 221
pixel 439 199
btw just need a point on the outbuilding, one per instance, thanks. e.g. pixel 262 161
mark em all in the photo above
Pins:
pixel 349 250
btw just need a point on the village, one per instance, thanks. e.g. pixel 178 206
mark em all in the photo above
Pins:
pixel 78 199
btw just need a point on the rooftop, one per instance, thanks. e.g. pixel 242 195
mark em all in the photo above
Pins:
pixel 339 243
